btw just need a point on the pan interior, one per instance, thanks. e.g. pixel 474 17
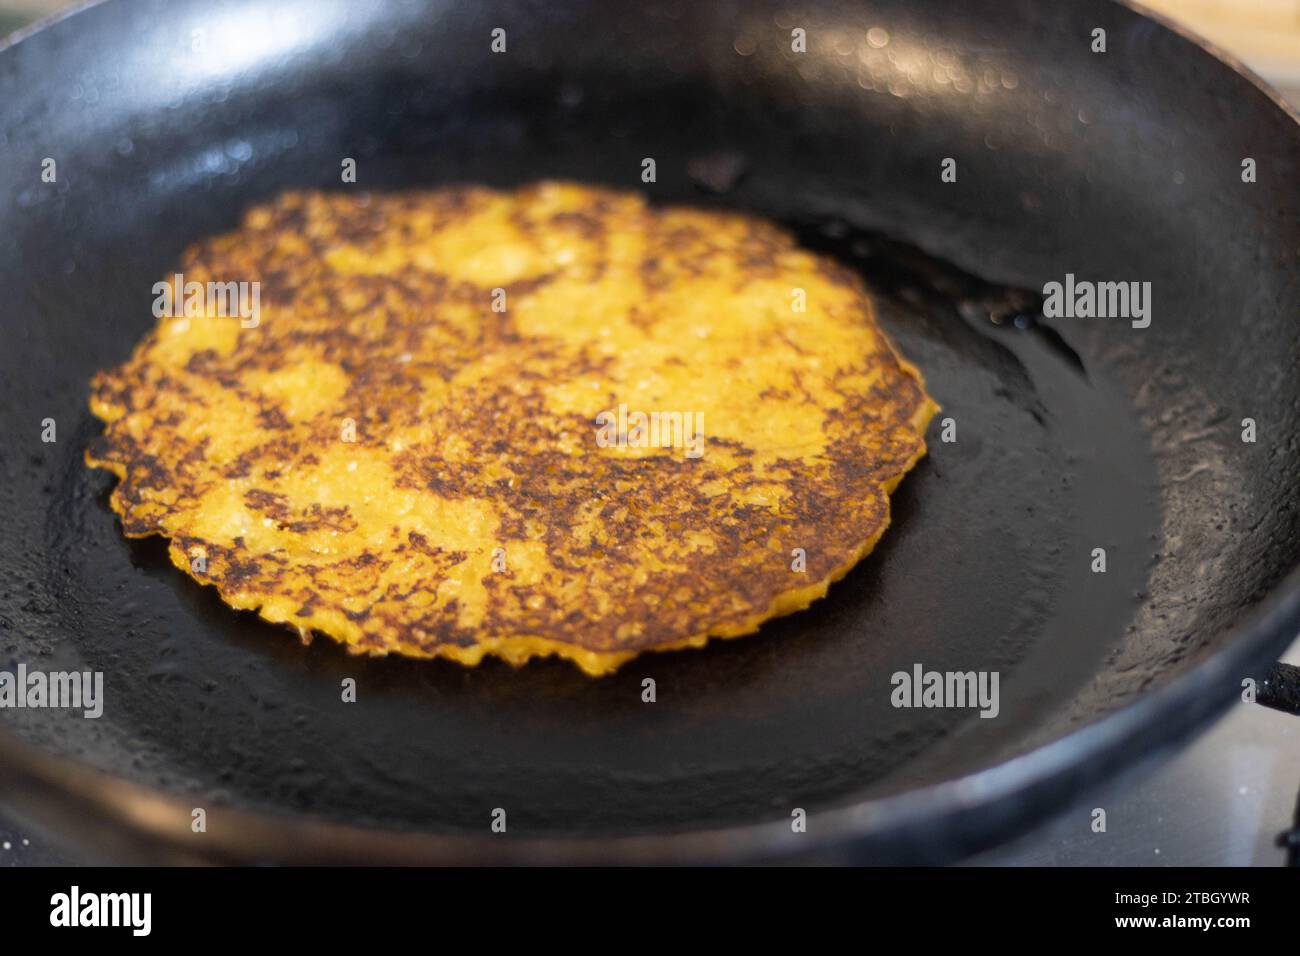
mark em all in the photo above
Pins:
pixel 987 560
pixel 1069 436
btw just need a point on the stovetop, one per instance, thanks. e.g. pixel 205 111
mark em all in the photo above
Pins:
pixel 1222 801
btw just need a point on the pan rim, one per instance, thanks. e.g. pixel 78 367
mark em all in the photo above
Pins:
pixel 43 785
pixel 46 787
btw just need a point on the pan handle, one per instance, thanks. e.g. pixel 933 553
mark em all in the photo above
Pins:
pixel 1280 688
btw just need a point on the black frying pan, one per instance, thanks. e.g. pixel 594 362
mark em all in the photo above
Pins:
pixel 1072 433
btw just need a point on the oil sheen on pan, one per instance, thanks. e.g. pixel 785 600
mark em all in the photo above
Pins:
pixel 463 422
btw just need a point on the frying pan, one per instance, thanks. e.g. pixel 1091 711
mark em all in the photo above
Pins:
pixel 165 120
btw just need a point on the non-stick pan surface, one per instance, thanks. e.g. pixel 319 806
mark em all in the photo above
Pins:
pixel 167 119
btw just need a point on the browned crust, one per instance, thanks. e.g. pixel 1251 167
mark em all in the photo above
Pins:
pixel 639 552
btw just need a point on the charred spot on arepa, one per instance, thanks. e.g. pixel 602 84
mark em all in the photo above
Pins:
pixel 391 459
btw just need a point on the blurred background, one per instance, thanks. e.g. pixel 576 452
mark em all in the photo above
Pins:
pixel 1265 34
